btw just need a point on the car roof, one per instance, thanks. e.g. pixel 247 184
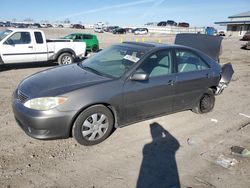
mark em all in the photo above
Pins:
pixel 82 34
pixel 155 45
pixel 23 29
pixel 146 44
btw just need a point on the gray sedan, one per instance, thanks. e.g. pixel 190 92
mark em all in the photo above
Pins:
pixel 118 86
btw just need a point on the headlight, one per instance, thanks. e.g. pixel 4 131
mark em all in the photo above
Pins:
pixel 44 103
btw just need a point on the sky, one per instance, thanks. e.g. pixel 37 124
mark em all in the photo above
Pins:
pixel 123 12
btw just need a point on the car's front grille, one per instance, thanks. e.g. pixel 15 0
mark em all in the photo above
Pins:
pixel 21 96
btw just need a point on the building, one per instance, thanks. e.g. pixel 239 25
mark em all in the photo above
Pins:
pixel 237 25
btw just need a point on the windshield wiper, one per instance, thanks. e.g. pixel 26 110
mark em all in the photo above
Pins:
pixel 91 69
pixel 95 71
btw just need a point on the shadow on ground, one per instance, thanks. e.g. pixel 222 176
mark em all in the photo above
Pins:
pixel 159 168
pixel 13 66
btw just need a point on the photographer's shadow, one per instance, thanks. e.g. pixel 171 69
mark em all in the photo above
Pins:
pixel 159 168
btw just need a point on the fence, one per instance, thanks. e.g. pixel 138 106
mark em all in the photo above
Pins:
pixel 176 30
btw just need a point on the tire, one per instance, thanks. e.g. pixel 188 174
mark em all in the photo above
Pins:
pixel 65 58
pixel 93 125
pixel 205 103
pixel 95 48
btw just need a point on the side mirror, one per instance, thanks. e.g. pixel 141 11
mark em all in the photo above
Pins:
pixel 139 77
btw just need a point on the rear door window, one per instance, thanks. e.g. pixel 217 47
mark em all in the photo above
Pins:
pixel 188 61
pixel 78 37
pixel 39 37
pixel 87 37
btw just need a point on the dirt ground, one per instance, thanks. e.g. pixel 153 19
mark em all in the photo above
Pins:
pixel 178 149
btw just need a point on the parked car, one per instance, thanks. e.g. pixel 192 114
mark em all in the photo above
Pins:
pixel 98 29
pixel 35 25
pixel 78 26
pixel 30 45
pixel 2 24
pixel 119 31
pixel 111 28
pixel 183 24
pixel 9 24
pixel 210 31
pixel 92 43
pixel 171 22
pixel 221 33
pixel 128 30
pixel 246 46
pixel 151 24
pixel 43 25
pixel 140 31
pixel 162 23
pixel 60 26
pixel 22 25
pixel 246 36
pixel 118 86
pixel 49 25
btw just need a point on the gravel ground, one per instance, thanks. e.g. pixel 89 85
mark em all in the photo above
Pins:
pixel 178 149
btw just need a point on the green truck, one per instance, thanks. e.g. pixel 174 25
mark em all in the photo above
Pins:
pixel 92 43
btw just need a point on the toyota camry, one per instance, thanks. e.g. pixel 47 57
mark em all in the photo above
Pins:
pixel 120 85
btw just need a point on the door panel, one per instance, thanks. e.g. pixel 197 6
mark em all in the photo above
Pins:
pixel 88 39
pixel 144 99
pixel 193 78
pixel 153 96
pixel 18 48
pixel 189 87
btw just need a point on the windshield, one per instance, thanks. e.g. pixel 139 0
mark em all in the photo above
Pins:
pixel 4 33
pixel 113 61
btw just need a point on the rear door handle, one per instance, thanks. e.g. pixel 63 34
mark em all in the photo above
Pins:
pixel 208 75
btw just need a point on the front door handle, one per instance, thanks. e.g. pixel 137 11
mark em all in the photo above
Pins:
pixel 30 46
pixel 171 82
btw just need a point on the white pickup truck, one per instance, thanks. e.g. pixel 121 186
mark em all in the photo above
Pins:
pixel 30 45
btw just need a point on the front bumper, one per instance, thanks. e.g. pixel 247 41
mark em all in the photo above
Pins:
pixel 51 124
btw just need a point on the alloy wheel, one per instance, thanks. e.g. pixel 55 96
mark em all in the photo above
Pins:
pixel 66 60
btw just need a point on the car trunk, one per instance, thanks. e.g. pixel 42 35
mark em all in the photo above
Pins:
pixel 210 45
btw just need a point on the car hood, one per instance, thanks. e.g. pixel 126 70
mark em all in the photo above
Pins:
pixel 59 80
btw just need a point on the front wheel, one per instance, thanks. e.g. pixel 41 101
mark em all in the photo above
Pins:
pixel 65 58
pixel 205 103
pixel 93 125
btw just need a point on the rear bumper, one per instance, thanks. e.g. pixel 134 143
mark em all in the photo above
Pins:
pixel 51 124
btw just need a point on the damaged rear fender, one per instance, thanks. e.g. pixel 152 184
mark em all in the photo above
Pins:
pixel 226 76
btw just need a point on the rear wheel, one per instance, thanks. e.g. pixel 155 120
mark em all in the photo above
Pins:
pixel 93 125
pixel 95 48
pixel 205 103
pixel 65 58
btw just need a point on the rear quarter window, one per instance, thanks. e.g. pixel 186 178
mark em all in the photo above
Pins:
pixel 87 37
pixel 188 61
pixel 39 37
